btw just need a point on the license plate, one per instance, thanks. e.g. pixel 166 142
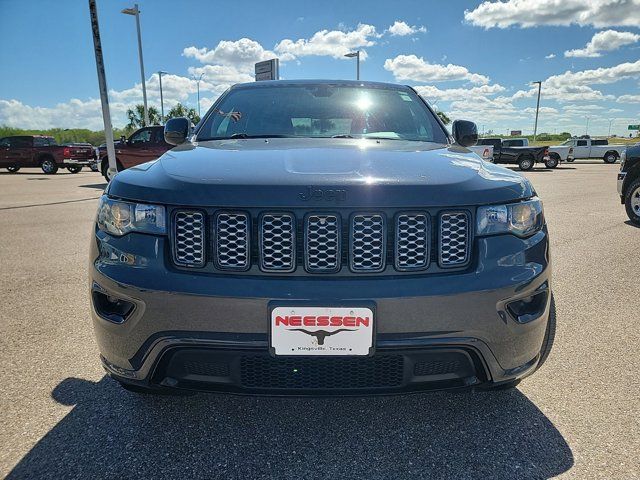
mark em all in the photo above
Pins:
pixel 317 331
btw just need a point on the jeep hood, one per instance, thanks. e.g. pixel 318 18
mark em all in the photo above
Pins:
pixel 274 173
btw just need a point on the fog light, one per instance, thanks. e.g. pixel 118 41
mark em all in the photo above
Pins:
pixel 111 308
pixel 527 309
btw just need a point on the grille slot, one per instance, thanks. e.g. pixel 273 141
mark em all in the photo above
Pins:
pixel 317 373
pixel 189 238
pixel 367 243
pixel 322 243
pixel 412 241
pixel 232 241
pixel 277 242
pixel 454 239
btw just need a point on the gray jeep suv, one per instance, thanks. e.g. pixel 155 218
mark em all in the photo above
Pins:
pixel 320 237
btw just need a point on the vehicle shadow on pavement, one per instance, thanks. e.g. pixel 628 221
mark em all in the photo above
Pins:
pixel 97 186
pixel 111 433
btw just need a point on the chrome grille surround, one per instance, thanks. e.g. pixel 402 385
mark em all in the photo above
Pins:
pixel 189 238
pixel 413 239
pixel 277 240
pixel 232 234
pixel 322 243
pixel 367 242
pixel 454 239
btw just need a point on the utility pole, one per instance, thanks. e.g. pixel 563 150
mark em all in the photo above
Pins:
pixel 160 73
pixel 135 11
pixel 102 84
pixel 535 128
pixel 198 88
pixel 610 122
pixel 586 130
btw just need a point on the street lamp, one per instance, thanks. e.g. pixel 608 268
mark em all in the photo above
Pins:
pixel 135 11
pixel 160 73
pixel 535 128
pixel 610 122
pixel 198 87
pixel 586 130
pixel 355 55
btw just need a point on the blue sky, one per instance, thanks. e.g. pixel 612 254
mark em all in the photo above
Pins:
pixel 472 60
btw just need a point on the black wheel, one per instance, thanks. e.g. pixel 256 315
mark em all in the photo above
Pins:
pixel 104 168
pixel 610 157
pixel 74 169
pixel 571 160
pixel 553 161
pixel 525 163
pixel 49 166
pixel 13 169
pixel 632 201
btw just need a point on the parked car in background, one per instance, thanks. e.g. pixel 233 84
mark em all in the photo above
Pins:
pixel 524 157
pixel 560 153
pixel 142 146
pixel 595 148
pixel 41 151
pixel 485 152
pixel 629 183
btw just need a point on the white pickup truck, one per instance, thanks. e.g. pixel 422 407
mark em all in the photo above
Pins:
pixel 559 153
pixel 592 148
pixel 485 152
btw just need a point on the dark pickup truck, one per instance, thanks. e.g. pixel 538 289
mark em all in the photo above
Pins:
pixel 524 157
pixel 41 151
pixel 142 146
pixel 629 183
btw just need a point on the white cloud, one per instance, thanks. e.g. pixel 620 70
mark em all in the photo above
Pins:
pixel 411 67
pixel 241 54
pixel 615 110
pixel 527 13
pixel 605 41
pixel 334 43
pixel 551 55
pixel 596 76
pixel 433 94
pixel 628 99
pixel 401 29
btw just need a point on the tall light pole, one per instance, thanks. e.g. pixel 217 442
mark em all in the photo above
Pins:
pixel 135 11
pixel 610 122
pixel 586 130
pixel 198 88
pixel 355 55
pixel 160 73
pixel 535 127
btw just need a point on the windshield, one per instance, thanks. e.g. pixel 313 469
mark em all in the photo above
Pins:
pixel 322 111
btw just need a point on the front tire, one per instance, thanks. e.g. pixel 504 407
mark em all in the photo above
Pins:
pixel 632 202
pixel 13 169
pixel 74 169
pixel 610 157
pixel 49 166
pixel 104 168
pixel 525 163
pixel 552 162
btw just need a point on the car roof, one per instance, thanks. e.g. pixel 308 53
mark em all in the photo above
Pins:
pixel 349 83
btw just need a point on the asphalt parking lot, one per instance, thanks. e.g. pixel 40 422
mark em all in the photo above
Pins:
pixel 578 417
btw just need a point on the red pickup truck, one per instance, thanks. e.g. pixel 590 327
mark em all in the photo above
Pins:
pixel 40 151
pixel 144 145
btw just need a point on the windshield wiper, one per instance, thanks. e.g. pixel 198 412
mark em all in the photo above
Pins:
pixel 342 135
pixel 244 135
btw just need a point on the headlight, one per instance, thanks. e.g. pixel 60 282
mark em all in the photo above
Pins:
pixel 119 218
pixel 522 219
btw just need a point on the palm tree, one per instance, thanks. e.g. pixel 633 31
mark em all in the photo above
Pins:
pixel 443 116
pixel 136 116
pixel 180 110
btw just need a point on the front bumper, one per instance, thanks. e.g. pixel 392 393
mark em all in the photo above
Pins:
pixel 220 322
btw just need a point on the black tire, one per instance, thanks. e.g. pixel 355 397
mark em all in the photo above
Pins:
pixel 13 169
pixel 610 157
pixel 48 165
pixel 571 160
pixel 74 169
pixel 632 202
pixel 553 162
pixel 104 168
pixel 525 163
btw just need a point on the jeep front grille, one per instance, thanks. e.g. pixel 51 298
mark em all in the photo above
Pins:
pixel 315 242
pixel 322 243
pixel 277 242
pixel 367 243
pixel 412 241
pixel 454 239
pixel 231 241
pixel 189 238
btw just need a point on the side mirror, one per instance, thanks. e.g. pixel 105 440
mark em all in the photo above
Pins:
pixel 465 133
pixel 176 130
